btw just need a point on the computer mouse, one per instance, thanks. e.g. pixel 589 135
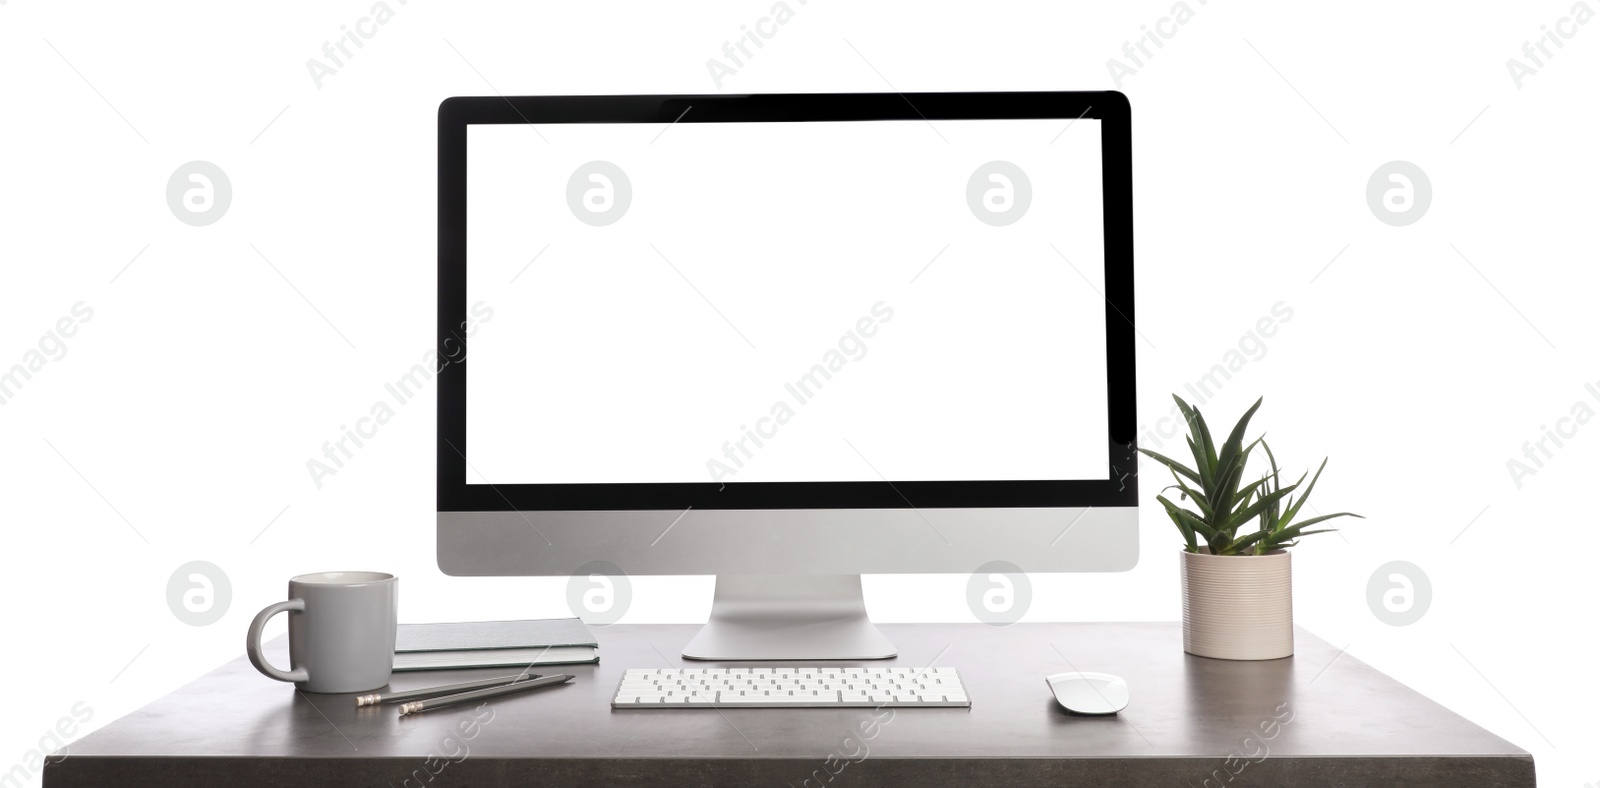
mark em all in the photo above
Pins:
pixel 1089 693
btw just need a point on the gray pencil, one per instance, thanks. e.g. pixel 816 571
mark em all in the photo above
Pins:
pixel 492 692
pixel 448 689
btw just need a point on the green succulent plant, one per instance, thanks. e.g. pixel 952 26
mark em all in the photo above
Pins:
pixel 1225 503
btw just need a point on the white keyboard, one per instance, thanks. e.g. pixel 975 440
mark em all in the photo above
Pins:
pixel 789 687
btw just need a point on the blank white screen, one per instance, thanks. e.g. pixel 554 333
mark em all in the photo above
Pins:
pixel 673 345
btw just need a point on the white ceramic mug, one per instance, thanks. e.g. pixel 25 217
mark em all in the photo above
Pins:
pixel 341 631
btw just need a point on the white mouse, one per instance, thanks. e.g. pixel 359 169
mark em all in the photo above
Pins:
pixel 1089 693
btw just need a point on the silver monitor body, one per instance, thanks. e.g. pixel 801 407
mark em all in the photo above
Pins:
pixel 614 264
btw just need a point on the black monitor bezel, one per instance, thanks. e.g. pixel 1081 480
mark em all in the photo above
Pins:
pixel 1111 108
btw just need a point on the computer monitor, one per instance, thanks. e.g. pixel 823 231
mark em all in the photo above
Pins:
pixel 786 340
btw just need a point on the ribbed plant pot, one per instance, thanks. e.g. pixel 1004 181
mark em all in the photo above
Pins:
pixel 1238 606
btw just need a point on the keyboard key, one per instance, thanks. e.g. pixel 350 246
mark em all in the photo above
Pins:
pixel 736 700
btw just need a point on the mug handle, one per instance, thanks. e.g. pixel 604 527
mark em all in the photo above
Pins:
pixel 252 642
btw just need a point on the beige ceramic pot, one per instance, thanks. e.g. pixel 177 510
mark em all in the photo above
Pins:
pixel 1237 606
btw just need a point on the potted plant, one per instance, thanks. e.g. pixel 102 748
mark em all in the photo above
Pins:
pixel 1237 601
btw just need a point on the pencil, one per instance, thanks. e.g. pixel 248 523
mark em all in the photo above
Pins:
pixel 491 692
pixel 434 692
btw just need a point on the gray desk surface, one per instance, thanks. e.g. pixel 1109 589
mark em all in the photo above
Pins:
pixel 1350 726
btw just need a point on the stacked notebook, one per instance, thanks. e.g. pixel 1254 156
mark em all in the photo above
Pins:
pixel 494 644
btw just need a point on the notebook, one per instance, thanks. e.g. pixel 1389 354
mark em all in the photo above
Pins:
pixel 494 644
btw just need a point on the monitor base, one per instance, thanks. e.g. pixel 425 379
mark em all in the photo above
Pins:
pixel 788 617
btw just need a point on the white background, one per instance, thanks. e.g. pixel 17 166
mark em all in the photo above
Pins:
pixel 1420 359
pixel 634 351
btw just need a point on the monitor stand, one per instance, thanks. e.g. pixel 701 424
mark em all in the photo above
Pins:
pixel 788 617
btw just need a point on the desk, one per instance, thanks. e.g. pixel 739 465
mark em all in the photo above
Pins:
pixel 1350 726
